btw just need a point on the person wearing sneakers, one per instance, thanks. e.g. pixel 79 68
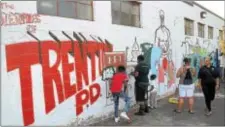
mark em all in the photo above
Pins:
pixel 186 85
pixel 141 85
pixel 208 78
pixel 153 92
pixel 119 90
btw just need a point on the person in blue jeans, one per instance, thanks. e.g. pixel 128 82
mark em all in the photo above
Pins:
pixel 119 90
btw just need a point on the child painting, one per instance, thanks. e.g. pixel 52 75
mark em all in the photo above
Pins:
pixel 119 90
pixel 153 92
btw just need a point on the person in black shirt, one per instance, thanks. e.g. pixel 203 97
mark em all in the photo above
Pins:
pixel 209 81
pixel 141 85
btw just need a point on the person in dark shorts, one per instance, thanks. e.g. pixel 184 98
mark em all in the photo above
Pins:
pixel 208 78
pixel 141 85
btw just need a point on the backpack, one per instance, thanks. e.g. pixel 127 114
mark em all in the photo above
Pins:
pixel 188 78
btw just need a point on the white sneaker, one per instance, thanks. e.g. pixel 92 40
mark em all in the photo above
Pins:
pixel 124 115
pixel 208 113
pixel 117 119
pixel 151 107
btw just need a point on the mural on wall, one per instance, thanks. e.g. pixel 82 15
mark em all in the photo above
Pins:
pixel 159 56
pixel 107 74
pixel 4 5
pixel 80 50
pixel 195 47
pixel 94 63
pixel 162 37
pixel 163 68
pixel 187 43
pixel 197 50
pixel 133 51
pixel 9 17
pixel 111 61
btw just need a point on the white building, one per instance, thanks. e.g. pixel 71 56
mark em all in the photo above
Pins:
pixel 53 53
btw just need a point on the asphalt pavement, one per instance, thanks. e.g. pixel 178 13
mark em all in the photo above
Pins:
pixel 164 115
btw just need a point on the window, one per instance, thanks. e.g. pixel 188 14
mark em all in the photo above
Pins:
pixel 221 35
pixel 47 7
pixel 189 27
pixel 126 13
pixel 201 30
pixel 78 9
pixel 210 32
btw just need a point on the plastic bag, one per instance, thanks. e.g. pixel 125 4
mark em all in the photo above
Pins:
pixel 174 98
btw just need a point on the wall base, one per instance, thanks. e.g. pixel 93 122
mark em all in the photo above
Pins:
pixel 110 114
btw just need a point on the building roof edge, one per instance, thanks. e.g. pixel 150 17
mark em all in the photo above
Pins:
pixel 204 8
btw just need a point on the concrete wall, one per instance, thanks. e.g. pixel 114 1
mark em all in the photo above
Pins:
pixel 53 75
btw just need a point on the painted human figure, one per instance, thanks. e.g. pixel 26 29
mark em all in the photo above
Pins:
pixel 163 40
pixel 162 36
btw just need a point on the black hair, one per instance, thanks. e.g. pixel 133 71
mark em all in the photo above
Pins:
pixel 210 58
pixel 186 60
pixel 121 68
pixel 153 77
pixel 140 58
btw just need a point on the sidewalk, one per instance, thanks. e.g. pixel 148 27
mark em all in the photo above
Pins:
pixel 164 115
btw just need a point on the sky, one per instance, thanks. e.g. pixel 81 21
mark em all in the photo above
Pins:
pixel 215 6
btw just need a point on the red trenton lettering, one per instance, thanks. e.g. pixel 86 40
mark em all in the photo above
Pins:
pixel 50 74
pixel 81 99
pixel 21 56
pixel 93 96
pixel 81 64
pixel 92 49
pixel 100 60
pixel 67 68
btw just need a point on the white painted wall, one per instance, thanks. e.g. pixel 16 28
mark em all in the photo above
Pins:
pixel 120 36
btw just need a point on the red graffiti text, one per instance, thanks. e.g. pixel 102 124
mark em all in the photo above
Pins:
pixel 19 18
pixel 6 6
pixel 23 55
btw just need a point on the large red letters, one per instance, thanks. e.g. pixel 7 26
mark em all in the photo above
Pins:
pixel 20 57
pixel 23 55
pixel 70 89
